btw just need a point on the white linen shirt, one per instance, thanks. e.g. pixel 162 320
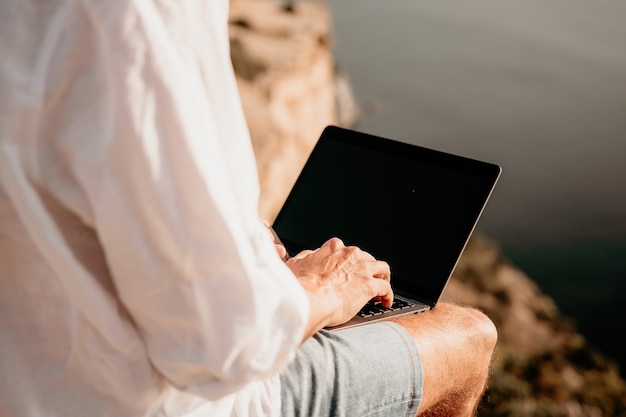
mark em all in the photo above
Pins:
pixel 135 276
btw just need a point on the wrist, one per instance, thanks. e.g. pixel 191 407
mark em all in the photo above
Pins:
pixel 322 304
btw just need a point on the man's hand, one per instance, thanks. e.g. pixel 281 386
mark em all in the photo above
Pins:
pixel 340 280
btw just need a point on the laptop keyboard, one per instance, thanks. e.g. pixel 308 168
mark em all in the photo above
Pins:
pixel 375 308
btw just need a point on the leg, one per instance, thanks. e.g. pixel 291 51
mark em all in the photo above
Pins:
pixel 365 371
pixel 455 345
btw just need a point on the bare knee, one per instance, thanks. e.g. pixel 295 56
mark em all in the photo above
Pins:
pixel 470 337
pixel 485 334
pixel 455 325
pixel 456 346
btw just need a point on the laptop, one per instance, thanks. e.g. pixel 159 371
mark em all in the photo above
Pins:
pixel 408 205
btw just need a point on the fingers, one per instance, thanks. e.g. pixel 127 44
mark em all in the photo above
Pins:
pixel 378 270
pixel 381 284
pixel 383 292
pixel 345 277
pixel 336 249
pixel 382 270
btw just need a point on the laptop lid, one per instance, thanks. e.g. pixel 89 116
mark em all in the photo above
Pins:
pixel 411 206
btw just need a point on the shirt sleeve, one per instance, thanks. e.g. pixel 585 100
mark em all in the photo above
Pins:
pixel 158 143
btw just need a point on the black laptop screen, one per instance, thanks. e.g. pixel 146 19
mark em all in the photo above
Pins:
pixel 412 207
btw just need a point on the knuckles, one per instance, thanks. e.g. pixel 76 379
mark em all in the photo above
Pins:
pixel 335 243
pixel 352 251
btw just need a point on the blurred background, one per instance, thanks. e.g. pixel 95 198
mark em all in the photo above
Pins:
pixel 536 86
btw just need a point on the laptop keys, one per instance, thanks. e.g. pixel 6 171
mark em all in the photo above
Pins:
pixel 375 308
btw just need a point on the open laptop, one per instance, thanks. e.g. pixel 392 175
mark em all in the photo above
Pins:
pixel 411 206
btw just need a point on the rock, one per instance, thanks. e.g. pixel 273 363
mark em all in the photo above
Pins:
pixel 289 83
pixel 542 365
pixel 526 318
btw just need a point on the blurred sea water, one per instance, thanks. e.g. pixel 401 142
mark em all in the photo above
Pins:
pixel 538 86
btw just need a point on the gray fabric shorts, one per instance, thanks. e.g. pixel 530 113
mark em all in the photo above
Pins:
pixel 371 370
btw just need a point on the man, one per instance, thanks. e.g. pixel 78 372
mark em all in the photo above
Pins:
pixel 137 279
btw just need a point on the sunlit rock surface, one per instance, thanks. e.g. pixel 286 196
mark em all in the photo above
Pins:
pixel 282 55
pixel 542 366
pixel 291 89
